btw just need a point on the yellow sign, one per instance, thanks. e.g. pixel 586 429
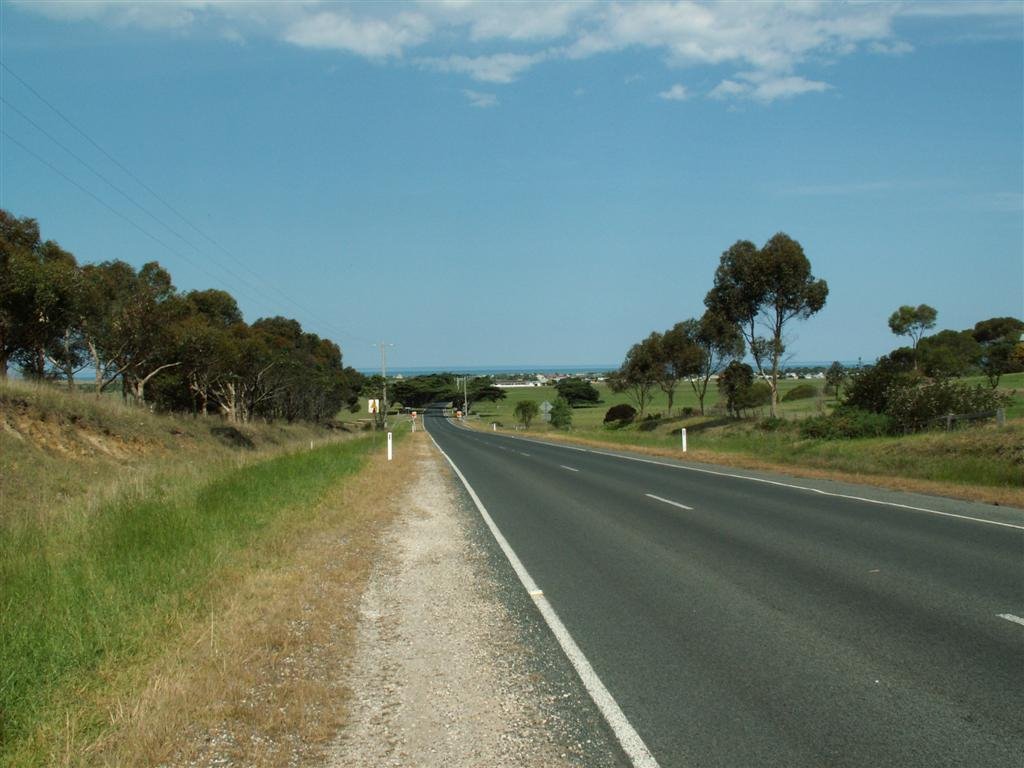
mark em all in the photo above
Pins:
pixel 374 406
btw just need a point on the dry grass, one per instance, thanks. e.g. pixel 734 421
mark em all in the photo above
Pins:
pixel 1013 497
pixel 65 452
pixel 260 682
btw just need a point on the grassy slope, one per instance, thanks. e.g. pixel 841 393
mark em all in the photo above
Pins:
pixel 93 581
pixel 983 463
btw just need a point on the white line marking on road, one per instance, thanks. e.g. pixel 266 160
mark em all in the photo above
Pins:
pixel 521 453
pixel 1011 617
pixel 668 501
pixel 639 755
pixel 571 469
pixel 769 482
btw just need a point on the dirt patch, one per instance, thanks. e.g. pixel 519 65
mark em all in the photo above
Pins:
pixel 439 677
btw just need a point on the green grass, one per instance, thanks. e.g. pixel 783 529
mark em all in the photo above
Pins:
pixel 85 594
pixel 986 456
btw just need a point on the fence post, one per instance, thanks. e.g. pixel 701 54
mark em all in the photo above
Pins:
pixel 1001 417
pixel 949 421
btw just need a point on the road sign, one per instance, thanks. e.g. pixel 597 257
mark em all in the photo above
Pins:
pixel 373 405
pixel 546 407
pixel 414 415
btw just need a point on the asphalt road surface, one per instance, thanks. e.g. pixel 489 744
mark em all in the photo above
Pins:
pixel 738 622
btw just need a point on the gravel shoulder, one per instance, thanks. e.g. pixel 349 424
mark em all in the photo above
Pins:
pixel 453 666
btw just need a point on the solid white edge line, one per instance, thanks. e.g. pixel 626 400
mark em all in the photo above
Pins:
pixel 668 501
pixel 769 482
pixel 637 752
pixel 1011 617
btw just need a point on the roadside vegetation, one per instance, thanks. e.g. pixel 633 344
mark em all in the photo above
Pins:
pixel 982 461
pixel 947 410
pixel 120 531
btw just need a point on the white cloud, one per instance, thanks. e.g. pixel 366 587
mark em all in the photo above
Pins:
pixel 766 87
pixel 891 47
pixel 677 92
pixel 481 100
pixel 498 68
pixel 767 45
pixel 370 37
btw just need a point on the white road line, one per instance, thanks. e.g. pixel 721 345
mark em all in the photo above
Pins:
pixel 521 453
pixel 639 755
pixel 1011 617
pixel 770 482
pixel 668 501
pixel 571 469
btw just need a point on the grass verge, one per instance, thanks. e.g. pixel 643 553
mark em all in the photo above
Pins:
pixel 89 602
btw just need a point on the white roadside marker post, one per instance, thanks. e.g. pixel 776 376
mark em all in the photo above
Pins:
pixel 389 446
pixel 684 439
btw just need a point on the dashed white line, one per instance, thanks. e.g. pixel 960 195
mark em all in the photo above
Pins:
pixel 668 501
pixel 632 744
pixel 522 453
pixel 571 469
pixel 769 482
pixel 1011 617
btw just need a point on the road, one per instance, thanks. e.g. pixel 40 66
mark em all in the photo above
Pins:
pixel 747 623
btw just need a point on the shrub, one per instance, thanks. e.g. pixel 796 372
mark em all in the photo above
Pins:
pixel 561 413
pixel 800 392
pixel 689 411
pixel 620 414
pixel 846 423
pixel 771 424
pixel 869 388
pixel 915 408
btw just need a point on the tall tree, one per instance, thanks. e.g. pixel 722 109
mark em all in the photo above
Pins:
pixel 760 291
pixel 913 322
pixel 640 372
pixel 998 337
pixel 679 358
pixel 718 343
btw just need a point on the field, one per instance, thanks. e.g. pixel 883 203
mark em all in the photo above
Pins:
pixel 981 462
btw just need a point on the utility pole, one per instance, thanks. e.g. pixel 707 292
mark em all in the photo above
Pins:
pixel 384 377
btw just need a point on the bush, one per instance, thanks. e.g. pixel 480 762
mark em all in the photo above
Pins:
pixel 915 408
pixel 870 387
pixel 561 414
pixel 800 392
pixel 771 424
pixel 757 395
pixel 689 411
pixel 620 414
pixel 846 423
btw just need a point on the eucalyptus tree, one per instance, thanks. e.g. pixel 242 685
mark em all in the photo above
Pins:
pixel 760 291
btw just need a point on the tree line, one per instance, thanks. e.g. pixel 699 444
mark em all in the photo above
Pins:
pixel 133 330
pixel 755 296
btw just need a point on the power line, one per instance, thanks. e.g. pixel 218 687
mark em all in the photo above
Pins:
pixel 155 195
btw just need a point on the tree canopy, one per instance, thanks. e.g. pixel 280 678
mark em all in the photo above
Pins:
pixel 760 291
pixel 188 351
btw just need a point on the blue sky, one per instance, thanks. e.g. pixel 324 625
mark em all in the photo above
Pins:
pixel 490 183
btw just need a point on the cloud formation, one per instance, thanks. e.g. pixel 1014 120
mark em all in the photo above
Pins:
pixel 677 92
pixel 481 100
pixel 768 45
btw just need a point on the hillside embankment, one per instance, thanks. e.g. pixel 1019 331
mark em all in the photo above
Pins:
pixel 156 572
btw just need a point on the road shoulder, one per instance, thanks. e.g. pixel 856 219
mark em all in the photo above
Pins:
pixel 451 667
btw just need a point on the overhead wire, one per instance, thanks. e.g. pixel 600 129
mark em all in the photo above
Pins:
pixel 302 308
